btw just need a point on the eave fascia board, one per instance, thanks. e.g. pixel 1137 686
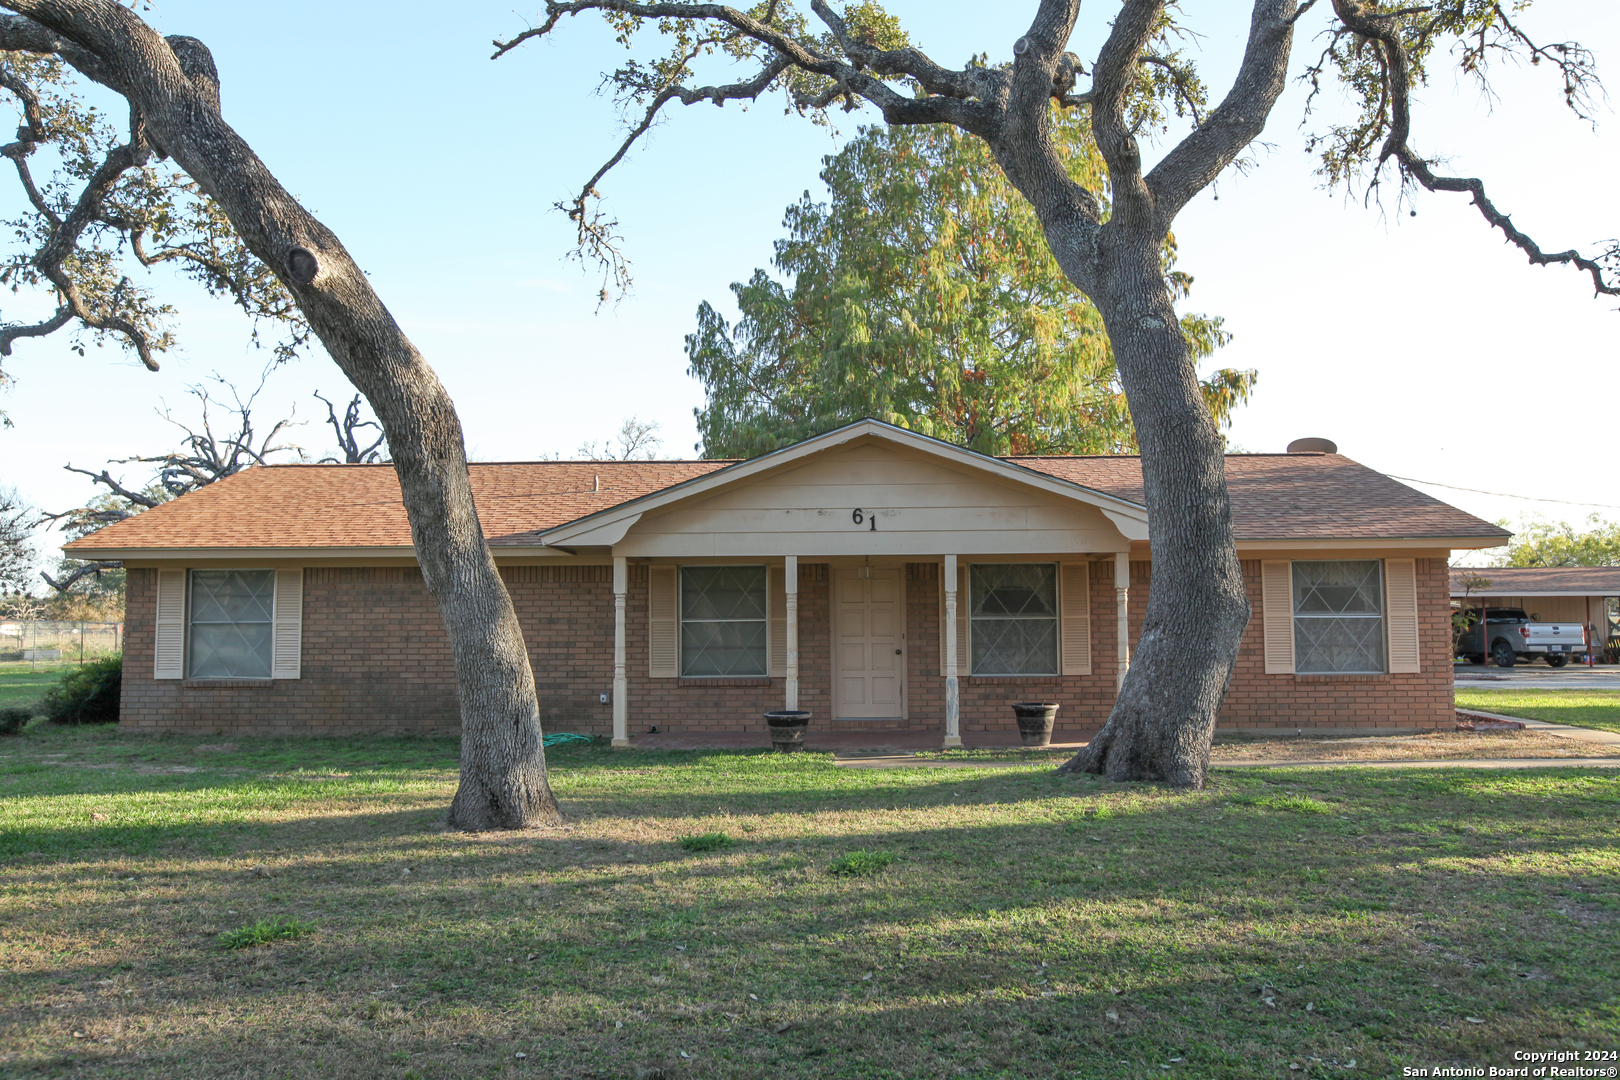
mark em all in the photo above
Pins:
pixel 570 532
pixel 283 553
pixel 1431 543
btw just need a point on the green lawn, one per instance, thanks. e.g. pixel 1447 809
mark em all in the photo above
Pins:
pixel 1029 925
pixel 1582 708
pixel 21 683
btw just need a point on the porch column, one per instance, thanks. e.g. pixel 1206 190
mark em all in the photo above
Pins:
pixel 1122 597
pixel 953 702
pixel 621 712
pixel 790 578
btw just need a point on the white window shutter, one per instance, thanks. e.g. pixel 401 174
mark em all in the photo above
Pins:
pixel 1075 606
pixel 169 643
pixel 1401 618
pixel 1277 615
pixel 776 610
pixel 287 630
pixel 663 624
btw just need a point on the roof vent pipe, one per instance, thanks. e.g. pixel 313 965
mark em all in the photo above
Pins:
pixel 1313 446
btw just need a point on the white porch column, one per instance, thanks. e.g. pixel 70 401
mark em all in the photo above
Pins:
pixel 953 702
pixel 790 578
pixel 1122 597
pixel 621 712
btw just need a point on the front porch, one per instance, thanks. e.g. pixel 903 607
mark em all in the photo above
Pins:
pixel 887 652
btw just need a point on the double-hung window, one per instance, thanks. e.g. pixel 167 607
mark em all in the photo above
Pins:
pixel 1339 617
pixel 1013 609
pixel 232 615
pixel 724 628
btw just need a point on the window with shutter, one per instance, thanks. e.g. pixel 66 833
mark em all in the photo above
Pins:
pixel 1076 607
pixel 288 629
pixel 232 617
pixel 663 625
pixel 169 642
pixel 1277 615
pixel 1339 617
pixel 1400 585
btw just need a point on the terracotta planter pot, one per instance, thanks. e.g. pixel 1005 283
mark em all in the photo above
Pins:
pixel 787 730
pixel 1035 720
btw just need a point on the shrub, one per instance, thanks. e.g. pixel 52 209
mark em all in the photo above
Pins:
pixel 87 694
pixel 860 863
pixel 14 718
pixel 709 841
pixel 263 932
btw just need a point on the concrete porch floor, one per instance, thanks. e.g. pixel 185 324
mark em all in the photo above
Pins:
pixel 844 742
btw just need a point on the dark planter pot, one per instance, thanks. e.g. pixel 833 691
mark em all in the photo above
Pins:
pixel 1035 719
pixel 787 730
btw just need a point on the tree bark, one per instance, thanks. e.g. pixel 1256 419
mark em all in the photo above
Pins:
pixel 1163 721
pixel 173 87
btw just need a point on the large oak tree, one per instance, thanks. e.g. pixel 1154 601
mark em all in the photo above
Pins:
pixel 226 219
pixel 1128 84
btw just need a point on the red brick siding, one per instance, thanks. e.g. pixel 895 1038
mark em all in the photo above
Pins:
pixel 375 658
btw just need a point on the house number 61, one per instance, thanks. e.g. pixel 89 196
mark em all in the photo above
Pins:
pixel 858 517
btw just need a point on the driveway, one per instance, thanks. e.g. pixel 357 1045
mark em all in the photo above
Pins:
pixel 1537 676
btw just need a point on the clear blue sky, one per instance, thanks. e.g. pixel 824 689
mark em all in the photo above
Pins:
pixel 1422 345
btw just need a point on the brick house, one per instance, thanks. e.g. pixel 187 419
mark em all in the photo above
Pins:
pixel 878 578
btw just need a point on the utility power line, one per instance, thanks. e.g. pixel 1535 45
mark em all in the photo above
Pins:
pixel 1500 494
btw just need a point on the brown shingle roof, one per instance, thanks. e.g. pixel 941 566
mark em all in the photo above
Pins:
pixel 330 506
pixel 1540 580
pixel 1294 497
pixel 1274 497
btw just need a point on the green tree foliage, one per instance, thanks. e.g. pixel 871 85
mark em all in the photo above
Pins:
pixel 924 294
pixel 1539 542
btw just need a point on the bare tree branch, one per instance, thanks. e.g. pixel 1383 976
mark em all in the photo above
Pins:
pixel 79 573
pixel 1384 32
pixel 348 440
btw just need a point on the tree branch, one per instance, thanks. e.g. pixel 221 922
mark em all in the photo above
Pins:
pixel 79 573
pixel 1384 32
pixel 1237 121
pixel 1111 79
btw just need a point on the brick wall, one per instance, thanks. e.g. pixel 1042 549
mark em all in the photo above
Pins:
pixel 1259 701
pixel 698 705
pixel 375 658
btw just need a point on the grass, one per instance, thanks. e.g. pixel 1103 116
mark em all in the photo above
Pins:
pixel 21 686
pixel 860 863
pixel 709 841
pixel 265 931
pixel 1032 925
pixel 1582 708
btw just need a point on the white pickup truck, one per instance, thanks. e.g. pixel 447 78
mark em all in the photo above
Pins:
pixel 1512 634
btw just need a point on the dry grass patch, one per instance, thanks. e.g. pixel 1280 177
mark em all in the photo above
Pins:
pixel 1030 925
pixel 1426 746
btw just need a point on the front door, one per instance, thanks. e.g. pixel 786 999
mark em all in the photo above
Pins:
pixel 870 681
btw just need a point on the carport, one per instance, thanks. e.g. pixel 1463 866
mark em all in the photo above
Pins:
pixel 1589 595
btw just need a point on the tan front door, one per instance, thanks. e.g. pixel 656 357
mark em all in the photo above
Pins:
pixel 870 670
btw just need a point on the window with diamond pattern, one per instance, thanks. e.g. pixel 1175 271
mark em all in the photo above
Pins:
pixel 1339 617
pixel 231 615
pixel 1013 608
pixel 723 625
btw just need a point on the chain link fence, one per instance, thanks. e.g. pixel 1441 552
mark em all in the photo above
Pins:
pixel 44 639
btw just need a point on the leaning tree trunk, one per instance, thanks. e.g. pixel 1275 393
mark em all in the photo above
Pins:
pixel 174 88
pixel 1164 718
